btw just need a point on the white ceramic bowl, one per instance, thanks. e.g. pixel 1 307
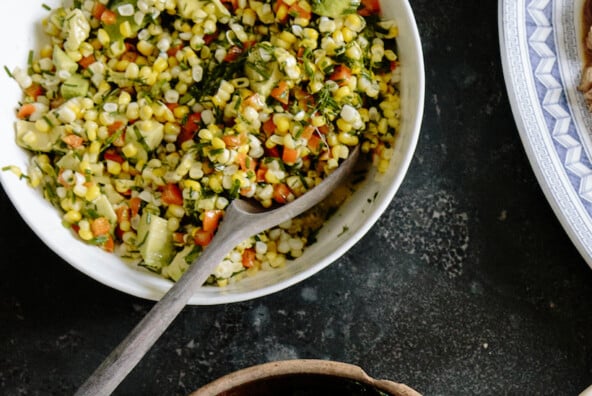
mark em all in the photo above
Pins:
pixel 20 32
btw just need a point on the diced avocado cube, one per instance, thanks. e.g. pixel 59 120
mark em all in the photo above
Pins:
pixel 69 161
pixel 114 30
pixel 104 208
pixel 28 137
pixel 155 241
pixel 62 61
pixel 179 265
pixel 188 8
pixel 74 86
pixel 149 133
pixel 335 8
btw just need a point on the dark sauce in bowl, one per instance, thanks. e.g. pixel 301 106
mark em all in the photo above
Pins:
pixel 304 385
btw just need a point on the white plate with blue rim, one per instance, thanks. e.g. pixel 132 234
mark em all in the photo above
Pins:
pixel 542 55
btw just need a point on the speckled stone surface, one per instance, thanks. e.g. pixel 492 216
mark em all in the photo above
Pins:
pixel 467 285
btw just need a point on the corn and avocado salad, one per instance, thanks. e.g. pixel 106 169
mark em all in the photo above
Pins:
pixel 146 118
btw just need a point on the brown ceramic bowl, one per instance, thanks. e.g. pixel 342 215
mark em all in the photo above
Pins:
pixel 303 378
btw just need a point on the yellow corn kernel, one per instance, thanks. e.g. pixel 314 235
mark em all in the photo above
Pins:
pixel 390 55
pixel 145 47
pixel 282 124
pixel 125 29
pixel 364 114
pixel 242 127
pixel 123 185
pixel 241 178
pixel 125 226
pixel 91 115
pixel 342 93
pixel 46 51
pixel 84 167
pixel 394 123
pixel 382 127
pixel 288 37
pixel 249 17
pixel 181 111
pixel 172 61
pixel 162 113
pixel 217 101
pixel 41 125
pixel 279 261
pixel 113 167
pixel 66 204
pixel 86 49
pixel 215 183
pixel 332 139
pixel 310 34
pixel 86 235
pixel 96 44
pixel 72 216
pixel 289 142
pixel 340 151
pixel 122 65
pixel 176 211
pixel 218 143
pixel 105 118
pixel 301 21
pixel 92 192
pixel 191 185
pixel 317 121
pixel 205 134
pixel 278 42
pixel 141 61
pixel 354 22
pixel 343 125
pixel 347 139
pixel 132 112
pixel 151 79
pixel 189 55
pixel 94 148
pixel 269 143
pixel 124 98
pixel 146 112
pixel 348 34
pixel 158 173
pixel 332 163
pixel 181 87
pixel 393 32
pixel 117 48
pixel 172 128
pixel 103 37
pixel 132 71
pixel 271 177
pixel 160 65
pixel 222 282
pixel 383 165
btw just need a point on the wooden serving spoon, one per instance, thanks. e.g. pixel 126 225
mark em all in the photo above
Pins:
pixel 242 220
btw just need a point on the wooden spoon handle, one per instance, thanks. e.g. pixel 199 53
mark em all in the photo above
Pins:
pixel 130 351
pixel 239 223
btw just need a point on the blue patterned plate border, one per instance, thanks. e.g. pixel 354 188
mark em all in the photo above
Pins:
pixel 541 57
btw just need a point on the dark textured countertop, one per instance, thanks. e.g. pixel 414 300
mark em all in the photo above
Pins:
pixel 467 284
